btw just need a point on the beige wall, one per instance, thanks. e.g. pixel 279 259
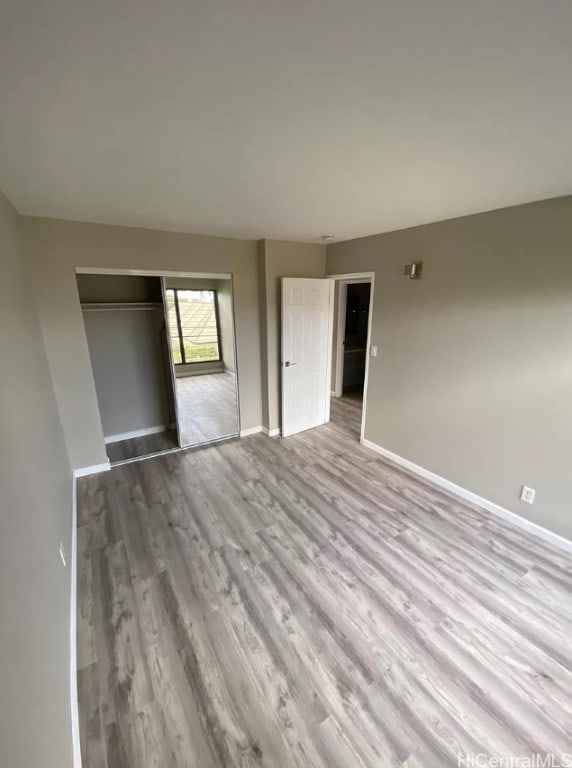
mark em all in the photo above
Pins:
pixel 57 247
pixel 474 372
pixel 263 305
pixel 35 515
pixel 277 259
pixel 190 283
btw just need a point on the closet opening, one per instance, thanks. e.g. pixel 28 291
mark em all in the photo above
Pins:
pixel 162 352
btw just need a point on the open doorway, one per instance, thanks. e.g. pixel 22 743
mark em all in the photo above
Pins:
pixel 350 350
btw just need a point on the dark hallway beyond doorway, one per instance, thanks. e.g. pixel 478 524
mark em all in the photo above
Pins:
pixel 355 339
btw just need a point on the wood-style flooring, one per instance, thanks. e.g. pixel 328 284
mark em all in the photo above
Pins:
pixel 207 407
pixel 301 602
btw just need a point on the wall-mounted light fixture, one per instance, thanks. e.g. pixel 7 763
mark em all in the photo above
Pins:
pixel 413 271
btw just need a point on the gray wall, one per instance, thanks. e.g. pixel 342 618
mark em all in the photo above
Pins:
pixel 125 353
pixel 226 321
pixel 57 247
pixel 277 259
pixel 474 372
pixel 35 515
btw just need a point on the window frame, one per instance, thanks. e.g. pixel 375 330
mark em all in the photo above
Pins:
pixel 179 329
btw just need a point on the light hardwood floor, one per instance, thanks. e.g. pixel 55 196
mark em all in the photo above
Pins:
pixel 300 602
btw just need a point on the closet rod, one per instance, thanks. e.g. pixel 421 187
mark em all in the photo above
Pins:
pixel 126 306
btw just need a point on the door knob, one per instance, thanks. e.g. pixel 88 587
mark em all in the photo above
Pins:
pixel 287 364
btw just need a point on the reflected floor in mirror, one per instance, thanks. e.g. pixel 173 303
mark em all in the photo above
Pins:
pixel 207 407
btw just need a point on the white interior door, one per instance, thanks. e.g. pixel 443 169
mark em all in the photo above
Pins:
pixel 306 349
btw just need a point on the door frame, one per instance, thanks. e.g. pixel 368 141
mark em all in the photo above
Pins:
pixel 171 359
pixel 343 280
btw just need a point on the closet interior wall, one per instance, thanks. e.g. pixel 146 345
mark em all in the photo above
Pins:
pixel 125 330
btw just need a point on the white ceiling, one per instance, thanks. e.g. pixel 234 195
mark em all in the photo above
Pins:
pixel 283 118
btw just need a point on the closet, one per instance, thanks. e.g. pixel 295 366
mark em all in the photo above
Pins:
pixel 126 336
pixel 163 361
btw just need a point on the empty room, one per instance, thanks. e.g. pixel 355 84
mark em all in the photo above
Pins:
pixel 286 295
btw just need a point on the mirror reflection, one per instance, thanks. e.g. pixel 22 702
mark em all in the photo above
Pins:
pixel 201 334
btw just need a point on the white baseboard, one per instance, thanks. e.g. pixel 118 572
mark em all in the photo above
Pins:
pixel 256 430
pixel 473 498
pixel 76 747
pixel 95 469
pixel 135 433
pixel 250 431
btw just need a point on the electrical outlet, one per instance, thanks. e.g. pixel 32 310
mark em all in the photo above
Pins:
pixel 373 350
pixel 527 494
pixel 62 553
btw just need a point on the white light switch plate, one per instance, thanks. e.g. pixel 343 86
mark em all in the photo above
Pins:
pixel 373 350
